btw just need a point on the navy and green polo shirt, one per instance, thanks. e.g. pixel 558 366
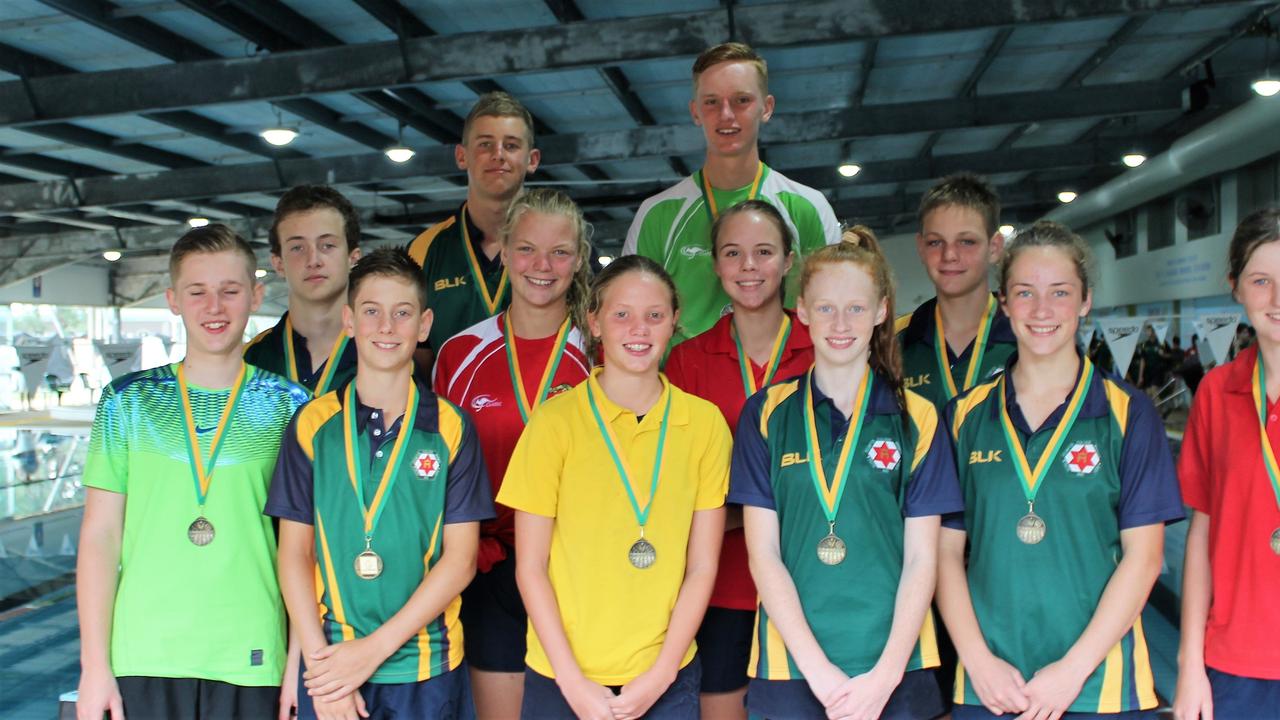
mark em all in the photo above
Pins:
pixel 442 480
pixel 917 332
pixel 902 468
pixel 463 285
pixel 1114 472
pixel 267 350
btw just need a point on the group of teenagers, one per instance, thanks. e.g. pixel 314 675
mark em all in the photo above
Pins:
pixel 717 477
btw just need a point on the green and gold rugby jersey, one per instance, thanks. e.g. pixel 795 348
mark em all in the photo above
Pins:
pixel 274 348
pixel 463 286
pixel 939 380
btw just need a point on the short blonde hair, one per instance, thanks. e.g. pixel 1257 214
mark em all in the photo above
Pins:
pixel 213 238
pixel 498 104
pixel 731 52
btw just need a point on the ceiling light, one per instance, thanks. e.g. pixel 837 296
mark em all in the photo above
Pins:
pixel 849 169
pixel 1133 159
pixel 259 273
pixel 1266 87
pixel 1067 196
pixel 605 260
pixel 279 136
pixel 197 221
pixel 1006 230
pixel 399 153
pixel 111 255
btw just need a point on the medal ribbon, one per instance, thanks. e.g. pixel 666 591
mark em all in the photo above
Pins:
pixel 491 302
pixel 355 468
pixel 202 471
pixel 775 358
pixel 330 365
pixel 620 462
pixel 832 493
pixel 548 372
pixel 975 359
pixel 1030 480
pixel 1260 400
pixel 709 198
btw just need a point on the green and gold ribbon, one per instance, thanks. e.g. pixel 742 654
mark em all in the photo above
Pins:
pixel 709 197
pixel 548 372
pixel 1032 479
pixel 831 492
pixel 372 513
pixel 620 462
pixel 491 302
pixel 749 386
pixel 330 365
pixel 1260 401
pixel 202 470
pixel 975 358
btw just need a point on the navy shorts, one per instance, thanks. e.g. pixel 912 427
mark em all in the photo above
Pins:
pixel 724 646
pixel 979 712
pixel 543 701
pixel 915 698
pixel 447 697
pixel 494 623
pixel 160 698
pixel 1244 698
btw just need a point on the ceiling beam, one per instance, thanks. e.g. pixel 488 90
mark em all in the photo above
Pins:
pixel 595 43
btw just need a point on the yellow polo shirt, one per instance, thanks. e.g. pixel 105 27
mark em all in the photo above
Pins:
pixel 615 615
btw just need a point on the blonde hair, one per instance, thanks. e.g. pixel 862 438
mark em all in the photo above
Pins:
pixel 498 104
pixel 549 201
pixel 859 246
pixel 213 238
pixel 731 52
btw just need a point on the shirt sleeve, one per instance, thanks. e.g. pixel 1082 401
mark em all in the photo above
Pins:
pixel 713 463
pixel 106 465
pixel 749 474
pixel 953 520
pixel 467 497
pixel 1194 456
pixel 1148 484
pixel 630 246
pixel 532 482
pixel 933 488
pixel 292 492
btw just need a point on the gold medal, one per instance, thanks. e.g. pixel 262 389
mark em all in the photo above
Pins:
pixel 831 549
pixel 1275 541
pixel 1031 528
pixel 642 554
pixel 200 532
pixel 368 564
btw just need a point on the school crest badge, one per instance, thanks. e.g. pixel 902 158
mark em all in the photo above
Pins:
pixel 884 454
pixel 426 465
pixel 1082 458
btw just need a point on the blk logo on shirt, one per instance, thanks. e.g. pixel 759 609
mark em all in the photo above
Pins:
pixel 446 283
pixel 1082 458
pixel 981 457
pixel 915 381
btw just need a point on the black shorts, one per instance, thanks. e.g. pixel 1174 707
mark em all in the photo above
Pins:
pixel 444 697
pixel 146 698
pixel 493 619
pixel 544 701
pixel 724 645
pixel 915 698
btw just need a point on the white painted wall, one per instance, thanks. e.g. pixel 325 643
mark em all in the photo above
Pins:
pixel 67 285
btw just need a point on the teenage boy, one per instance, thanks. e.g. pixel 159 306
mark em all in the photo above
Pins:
pixel 176 578
pixel 315 238
pixel 730 102
pixel 466 281
pixel 960 337
pixel 380 491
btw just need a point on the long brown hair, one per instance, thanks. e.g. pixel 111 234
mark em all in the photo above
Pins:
pixel 859 246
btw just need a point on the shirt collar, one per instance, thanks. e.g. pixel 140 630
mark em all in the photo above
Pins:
pixel 611 411
pixel 1240 371
pixel 921 327
pixel 883 401
pixel 720 337
pixel 1095 399
pixel 477 240
pixel 427 420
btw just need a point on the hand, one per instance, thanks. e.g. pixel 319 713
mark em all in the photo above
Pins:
pixel 1193 700
pixel 98 694
pixel 824 683
pixel 347 707
pixel 588 700
pixel 289 689
pixel 640 694
pixel 864 696
pixel 340 669
pixel 998 684
pixel 1052 690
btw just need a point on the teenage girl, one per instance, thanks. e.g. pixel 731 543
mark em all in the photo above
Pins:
pixel 844 477
pixel 618 487
pixel 500 370
pixel 1229 661
pixel 748 349
pixel 1068 483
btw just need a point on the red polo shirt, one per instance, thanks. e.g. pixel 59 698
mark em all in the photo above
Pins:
pixel 1222 474
pixel 707 366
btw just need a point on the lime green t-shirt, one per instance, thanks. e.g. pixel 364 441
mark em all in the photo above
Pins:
pixel 183 611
